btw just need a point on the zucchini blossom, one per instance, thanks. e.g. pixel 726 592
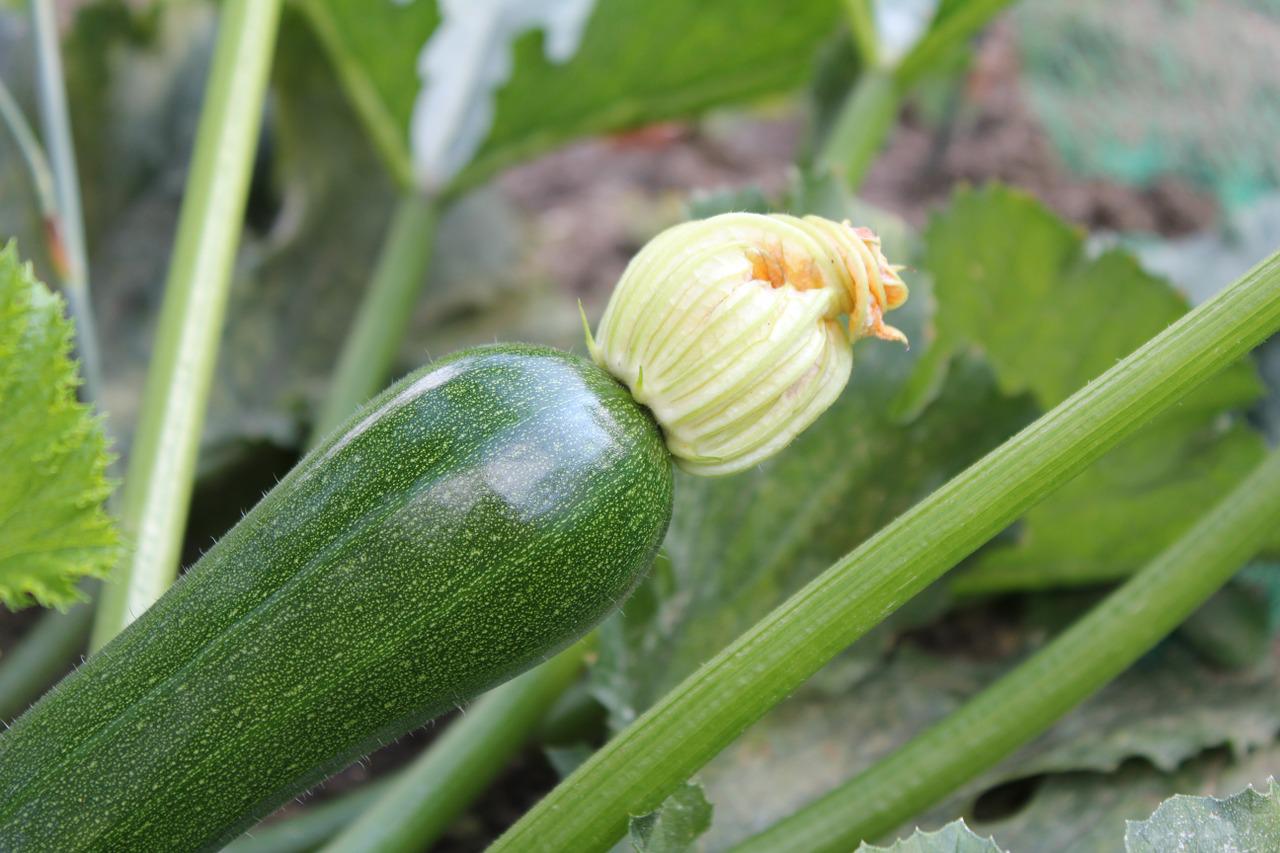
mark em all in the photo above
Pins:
pixel 737 331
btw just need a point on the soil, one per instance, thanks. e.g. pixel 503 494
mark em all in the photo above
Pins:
pixel 594 203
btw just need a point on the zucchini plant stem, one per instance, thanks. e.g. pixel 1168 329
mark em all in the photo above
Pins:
pixel 383 318
pixel 634 772
pixel 870 111
pixel 861 17
pixel 1029 699
pixel 161 470
pixel 964 22
pixel 864 123
pixel 67 226
pixel 443 781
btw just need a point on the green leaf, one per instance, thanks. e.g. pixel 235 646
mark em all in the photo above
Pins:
pixel 53 453
pixel 638 61
pixel 676 825
pixel 955 837
pixel 1089 811
pixel 1014 282
pixel 1168 708
pixel 1248 822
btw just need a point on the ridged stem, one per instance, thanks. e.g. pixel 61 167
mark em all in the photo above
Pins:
pixel 704 713
pixel 383 318
pixel 440 784
pixel 161 471
pixel 1032 697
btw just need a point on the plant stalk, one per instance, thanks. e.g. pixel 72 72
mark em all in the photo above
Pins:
pixel 67 227
pixel 440 784
pixel 383 319
pixel 860 15
pixel 161 471
pixel 1031 698
pixel 866 119
pixel 635 771
pixel 870 111
pixel 33 156
pixel 961 24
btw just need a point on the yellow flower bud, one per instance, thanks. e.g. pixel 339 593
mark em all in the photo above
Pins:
pixel 729 330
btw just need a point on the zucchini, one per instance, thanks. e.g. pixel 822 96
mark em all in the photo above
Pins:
pixel 476 518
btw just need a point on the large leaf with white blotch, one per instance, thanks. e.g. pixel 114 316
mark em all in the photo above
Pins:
pixel 453 91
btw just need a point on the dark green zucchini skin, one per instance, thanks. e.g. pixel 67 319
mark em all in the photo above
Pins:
pixel 469 523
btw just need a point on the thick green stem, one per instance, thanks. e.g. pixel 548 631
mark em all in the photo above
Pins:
pixel 691 724
pixel 383 319
pixel 1032 697
pixel 44 653
pixel 157 487
pixel 438 786
pixel 862 26
pixel 865 121
pixel 68 225
pixel 870 111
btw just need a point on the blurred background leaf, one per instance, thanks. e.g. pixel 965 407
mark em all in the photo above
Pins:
pixel 1013 282
pixel 1088 811
pixel 638 61
pixel 1168 710
pixel 1249 820
pixel 676 826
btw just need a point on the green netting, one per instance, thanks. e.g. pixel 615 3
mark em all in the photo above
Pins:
pixel 1131 90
